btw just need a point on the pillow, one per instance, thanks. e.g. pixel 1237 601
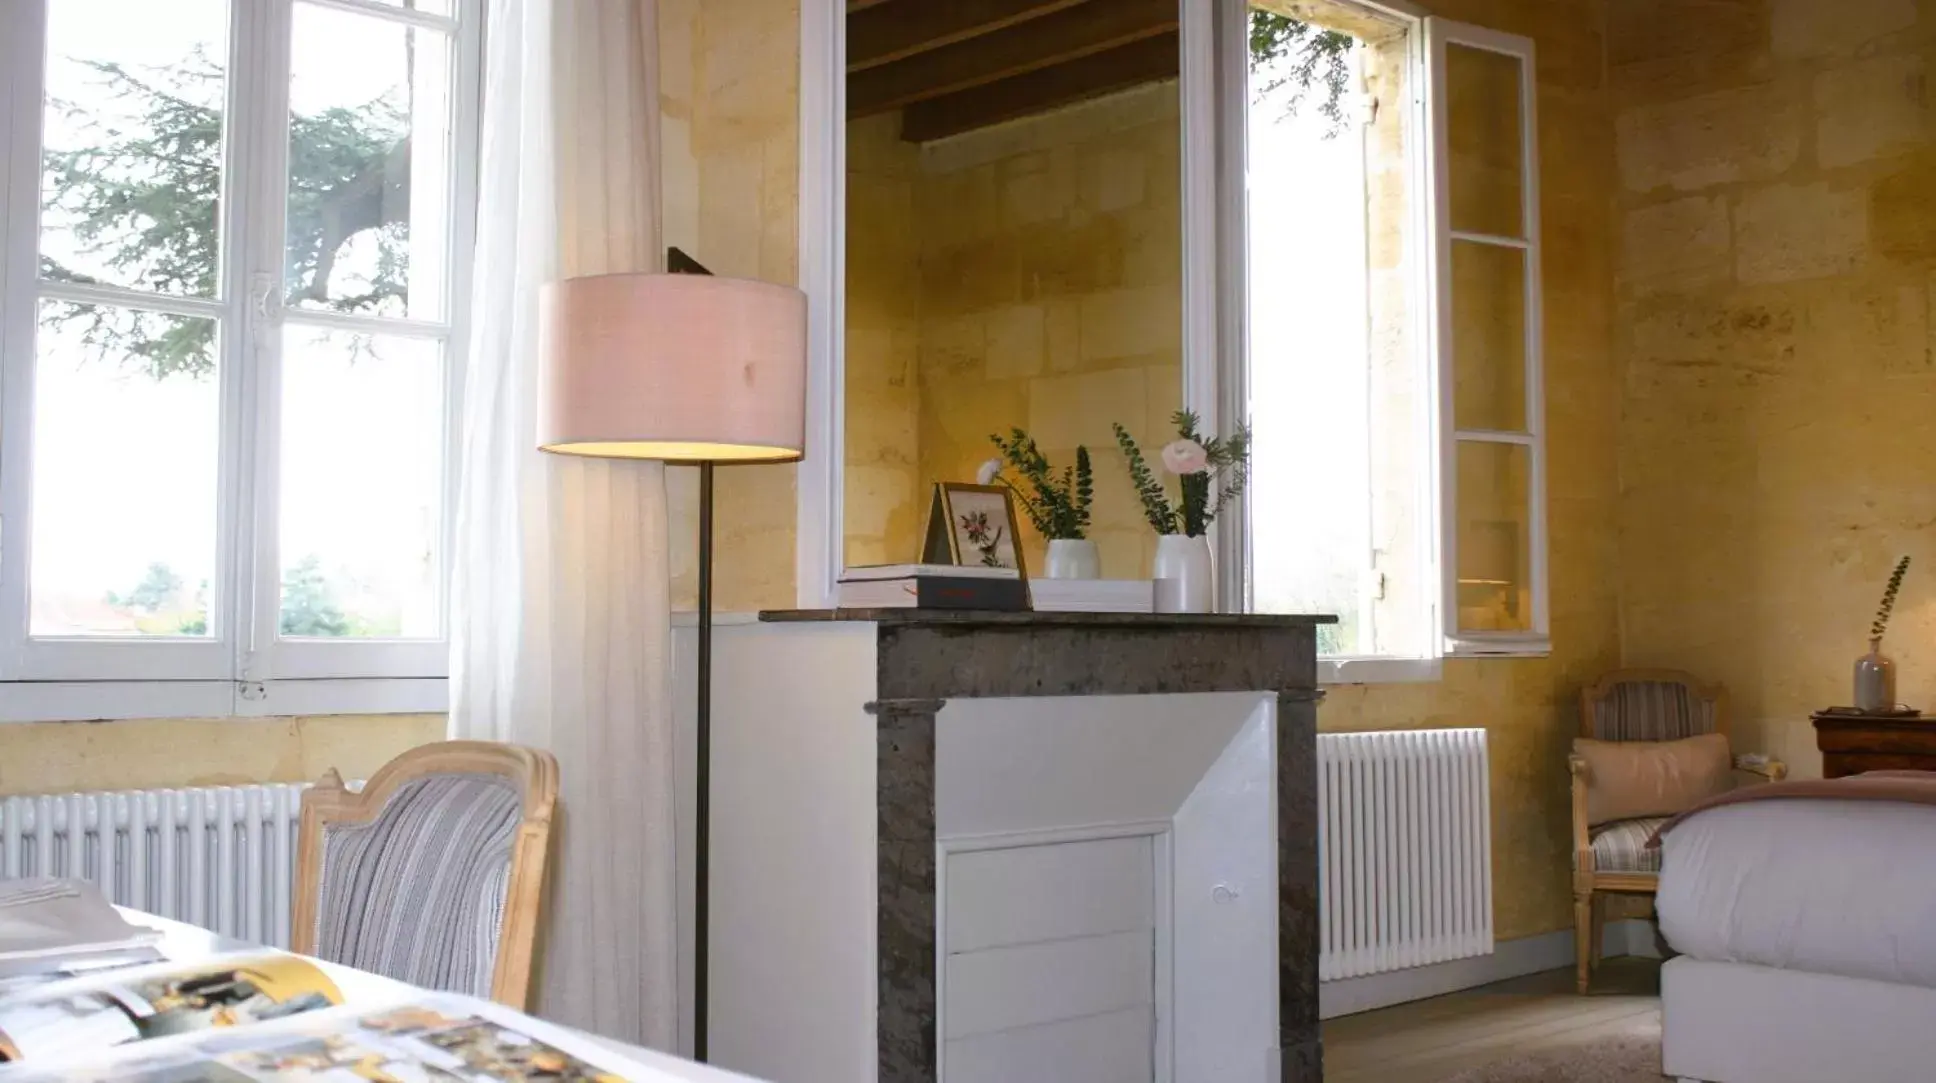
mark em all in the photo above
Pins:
pixel 1630 779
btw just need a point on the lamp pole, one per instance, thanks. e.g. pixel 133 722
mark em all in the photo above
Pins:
pixel 691 370
pixel 702 796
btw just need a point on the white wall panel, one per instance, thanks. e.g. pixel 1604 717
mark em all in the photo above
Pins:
pixel 1030 984
pixel 1113 1048
pixel 1007 765
pixel 1029 894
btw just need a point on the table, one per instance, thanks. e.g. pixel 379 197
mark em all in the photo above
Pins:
pixel 1851 743
pixel 184 942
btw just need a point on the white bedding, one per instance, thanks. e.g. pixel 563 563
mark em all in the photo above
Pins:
pixel 1832 887
pixel 1737 1023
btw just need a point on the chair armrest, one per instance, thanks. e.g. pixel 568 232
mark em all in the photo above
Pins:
pixel 1765 766
pixel 1582 843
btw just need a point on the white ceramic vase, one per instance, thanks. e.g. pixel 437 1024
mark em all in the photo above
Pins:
pixel 1185 582
pixel 1875 681
pixel 1072 558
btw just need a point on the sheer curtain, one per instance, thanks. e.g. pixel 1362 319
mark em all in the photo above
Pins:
pixel 559 607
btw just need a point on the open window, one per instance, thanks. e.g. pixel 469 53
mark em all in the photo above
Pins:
pixel 1392 363
pixel 1487 339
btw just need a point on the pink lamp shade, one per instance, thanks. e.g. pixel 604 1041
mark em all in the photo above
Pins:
pixel 683 368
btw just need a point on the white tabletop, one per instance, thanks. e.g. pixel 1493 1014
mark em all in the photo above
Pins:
pixel 189 942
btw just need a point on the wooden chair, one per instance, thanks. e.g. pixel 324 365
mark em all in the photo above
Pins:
pixel 1611 858
pixel 434 873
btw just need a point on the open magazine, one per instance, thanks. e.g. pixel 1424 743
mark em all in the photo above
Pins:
pixel 267 1016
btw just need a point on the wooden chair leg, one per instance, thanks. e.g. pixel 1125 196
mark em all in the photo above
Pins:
pixel 1583 940
pixel 1598 917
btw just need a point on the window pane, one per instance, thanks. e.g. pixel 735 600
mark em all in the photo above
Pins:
pixel 1335 374
pixel 132 162
pixel 428 7
pixel 362 485
pixel 1488 337
pixel 1495 537
pixel 1482 113
pixel 369 175
pixel 124 474
pixel 1309 362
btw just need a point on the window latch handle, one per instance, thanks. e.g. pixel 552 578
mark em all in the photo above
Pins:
pixel 262 295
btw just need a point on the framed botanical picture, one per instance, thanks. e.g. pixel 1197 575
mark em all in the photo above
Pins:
pixel 972 524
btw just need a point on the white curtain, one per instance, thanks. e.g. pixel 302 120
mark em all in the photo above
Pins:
pixel 560 608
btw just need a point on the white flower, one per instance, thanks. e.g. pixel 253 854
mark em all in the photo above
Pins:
pixel 986 475
pixel 1185 457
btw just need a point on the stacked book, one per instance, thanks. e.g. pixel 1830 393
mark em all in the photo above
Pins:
pixel 1092 595
pixel 932 586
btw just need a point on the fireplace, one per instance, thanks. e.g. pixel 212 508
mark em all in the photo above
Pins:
pixel 1083 846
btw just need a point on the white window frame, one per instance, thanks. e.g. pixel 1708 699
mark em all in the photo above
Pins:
pixel 1429 243
pixel 1234 107
pixel 245 667
pixel 1537 639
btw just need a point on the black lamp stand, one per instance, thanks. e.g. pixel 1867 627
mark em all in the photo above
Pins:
pixel 702 797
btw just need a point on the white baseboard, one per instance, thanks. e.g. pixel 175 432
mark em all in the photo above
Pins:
pixel 1509 959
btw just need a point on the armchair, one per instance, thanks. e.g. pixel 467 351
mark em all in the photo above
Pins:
pixel 1611 858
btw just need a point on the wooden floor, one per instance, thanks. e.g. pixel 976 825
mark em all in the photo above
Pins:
pixel 1431 1039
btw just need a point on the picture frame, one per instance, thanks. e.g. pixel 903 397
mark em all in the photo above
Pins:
pixel 973 524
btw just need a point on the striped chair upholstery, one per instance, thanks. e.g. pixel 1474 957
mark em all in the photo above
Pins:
pixel 418 893
pixel 1650 711
pixel 1621 846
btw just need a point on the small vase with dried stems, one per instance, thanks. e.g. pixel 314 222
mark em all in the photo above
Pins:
pixel 1875 672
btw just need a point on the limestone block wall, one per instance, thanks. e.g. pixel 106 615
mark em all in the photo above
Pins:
pixel 63 757
pixel 729 95
pixel 1052 297
pixel 1777 243
pixel 1027 274
pixel 885 499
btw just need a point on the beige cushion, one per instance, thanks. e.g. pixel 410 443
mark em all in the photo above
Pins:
pixel 1626 780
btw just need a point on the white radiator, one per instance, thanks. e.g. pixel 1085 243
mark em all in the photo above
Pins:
pixel 222 857
pixel 1404 850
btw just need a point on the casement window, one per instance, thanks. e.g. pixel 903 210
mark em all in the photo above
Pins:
pixel 236 245
pixel 1393 364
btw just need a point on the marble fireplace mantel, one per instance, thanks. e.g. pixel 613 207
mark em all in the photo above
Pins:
pixel 1036 727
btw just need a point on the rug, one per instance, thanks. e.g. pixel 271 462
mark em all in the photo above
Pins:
pixel 1631 1055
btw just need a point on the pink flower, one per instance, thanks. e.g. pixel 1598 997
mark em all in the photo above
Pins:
pixel 1185 457
pixel 986 475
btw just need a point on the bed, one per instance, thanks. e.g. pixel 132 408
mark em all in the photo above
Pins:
pixel 1805 918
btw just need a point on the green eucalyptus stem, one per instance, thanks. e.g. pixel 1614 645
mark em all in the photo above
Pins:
pixel 1888 606
pixel 1156 503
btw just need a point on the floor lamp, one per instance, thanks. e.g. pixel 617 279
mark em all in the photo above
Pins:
pixel 690 370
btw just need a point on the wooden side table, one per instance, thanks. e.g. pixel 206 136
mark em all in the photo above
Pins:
pixel 1853 743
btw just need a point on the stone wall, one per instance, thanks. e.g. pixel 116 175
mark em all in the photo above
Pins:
pixel 1777 242
pixel 1028 274
pixel 886 493
pixel 62 757
pixel 1052 297
pixel 729 94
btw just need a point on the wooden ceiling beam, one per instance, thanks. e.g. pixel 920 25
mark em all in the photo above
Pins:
pixel 886 32
pixel 1147 61
pixel 1090 29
